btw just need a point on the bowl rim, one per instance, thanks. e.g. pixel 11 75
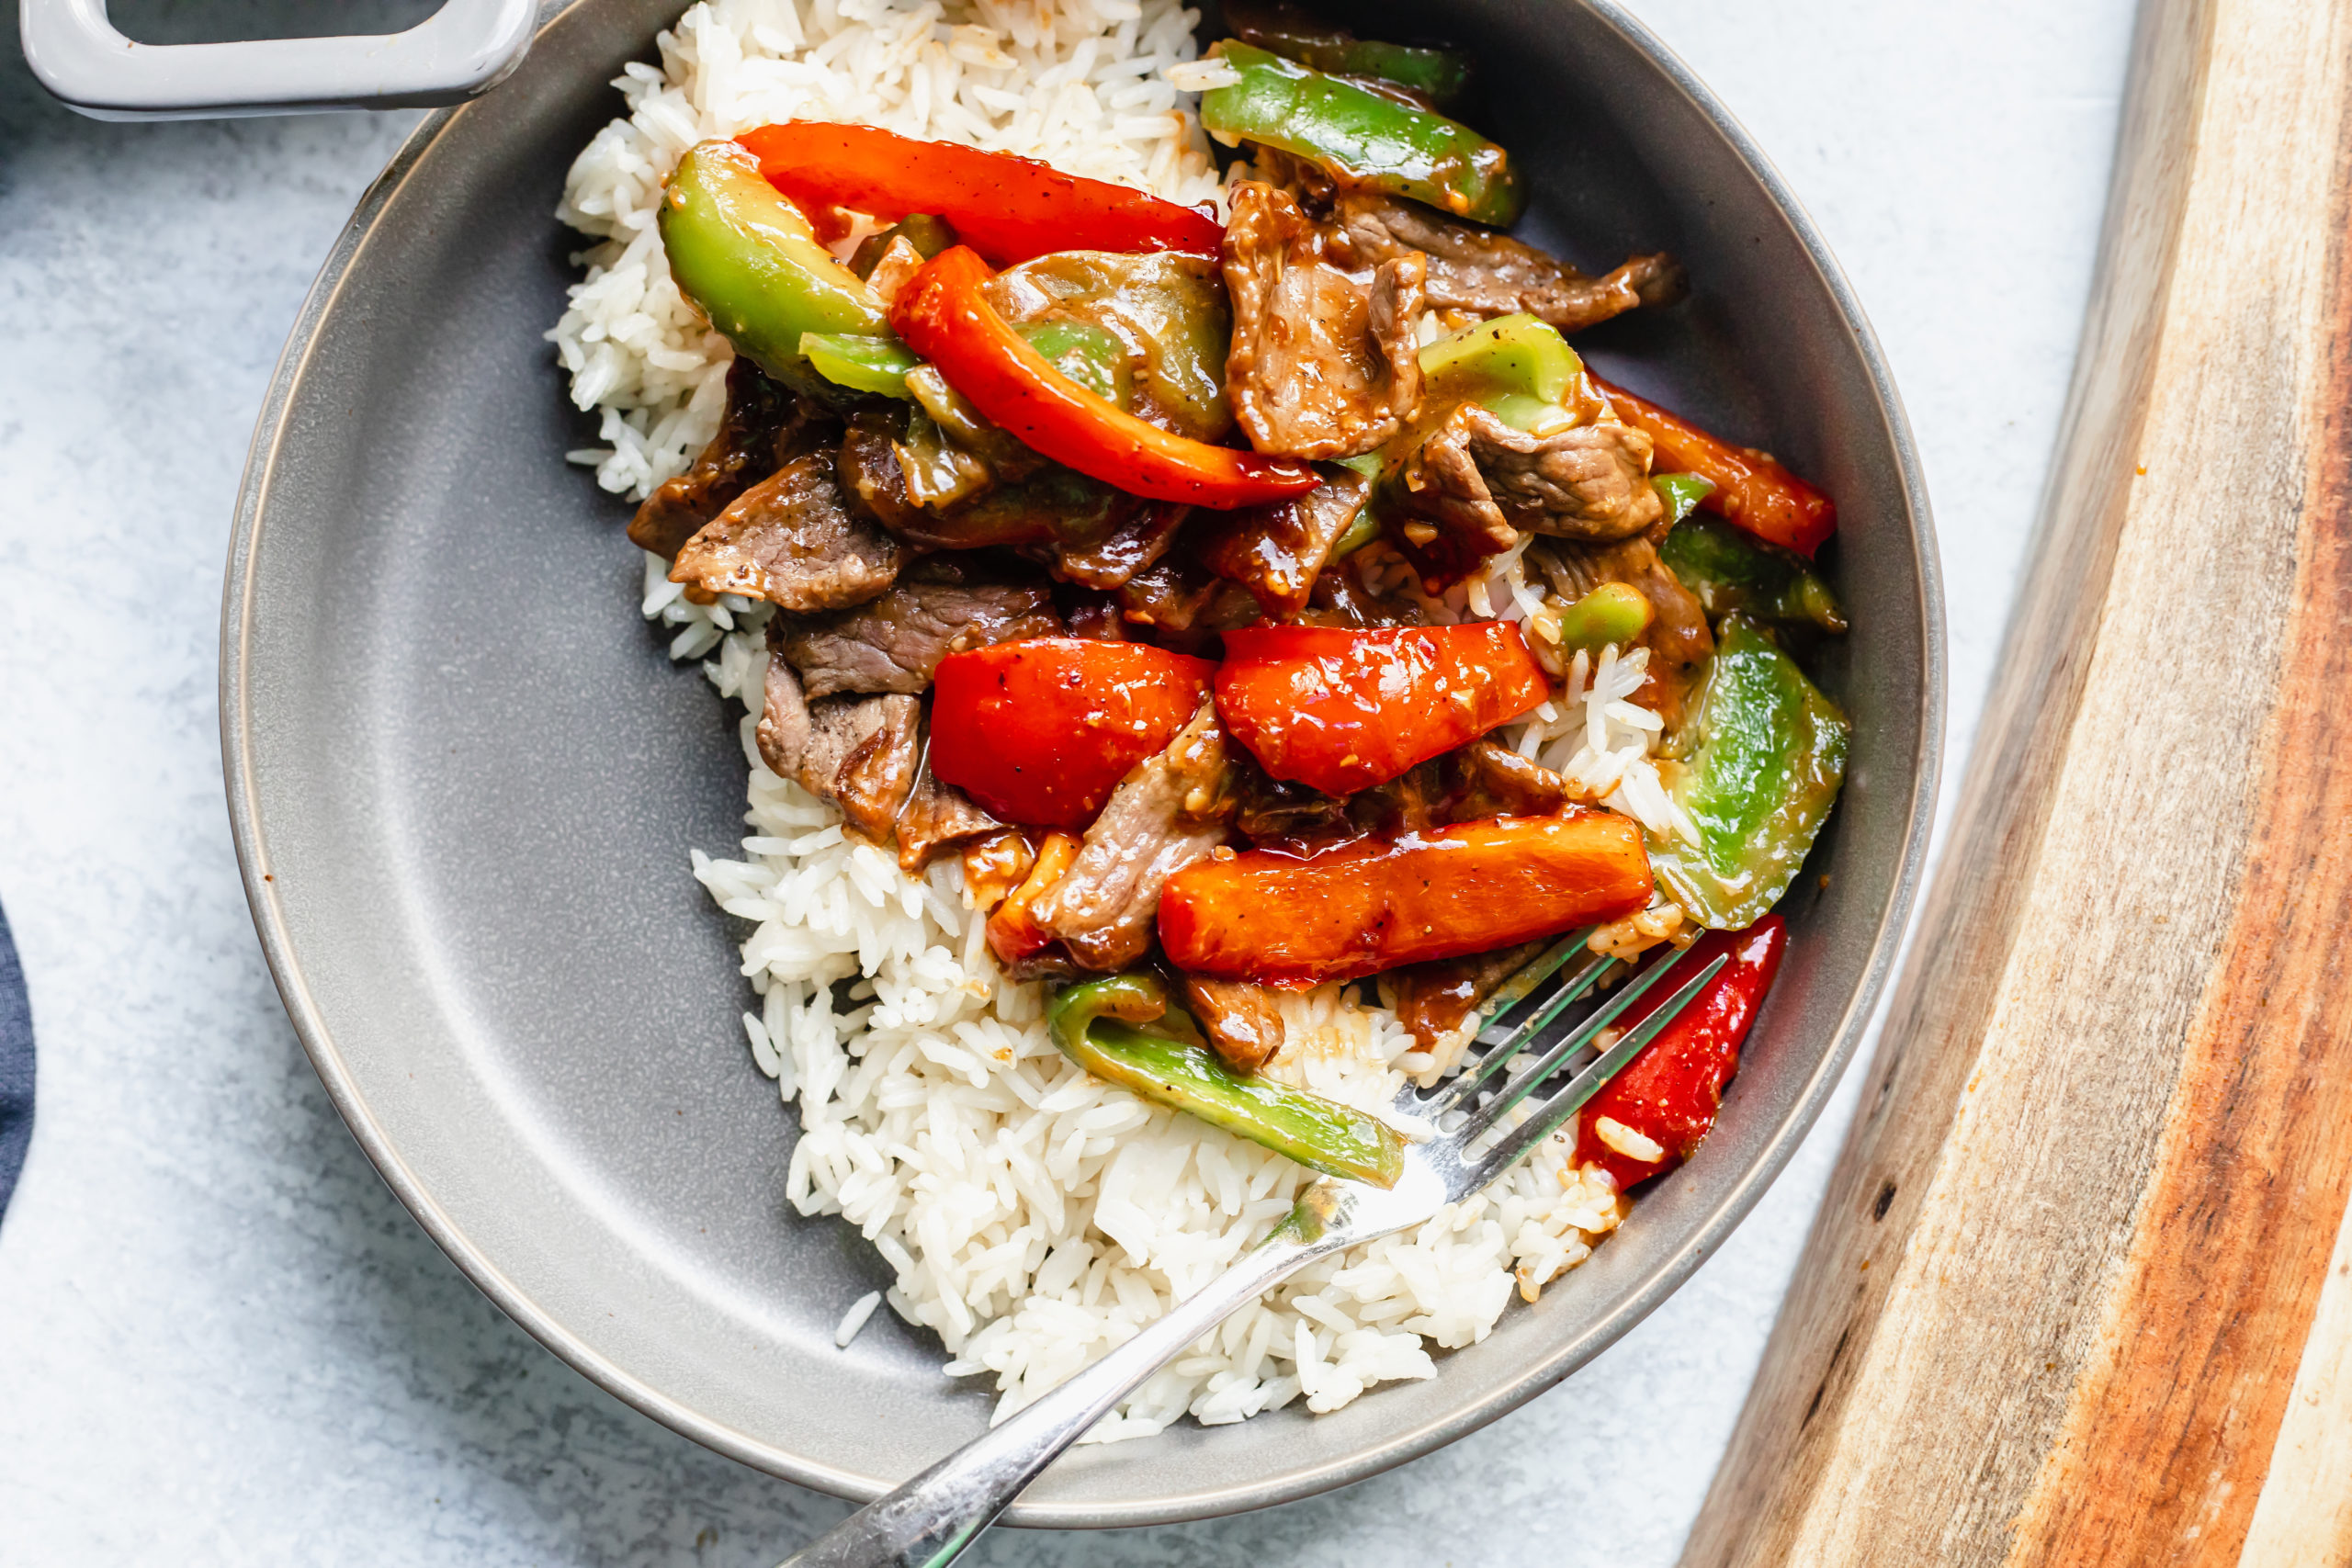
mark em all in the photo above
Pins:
pixel 271 434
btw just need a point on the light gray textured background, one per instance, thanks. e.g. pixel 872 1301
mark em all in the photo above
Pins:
pixel 221 1341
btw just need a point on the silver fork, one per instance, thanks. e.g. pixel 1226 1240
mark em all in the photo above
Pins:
pixel 1462 1143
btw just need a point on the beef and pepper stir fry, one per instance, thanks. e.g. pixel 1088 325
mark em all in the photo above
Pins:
pixel 1108 546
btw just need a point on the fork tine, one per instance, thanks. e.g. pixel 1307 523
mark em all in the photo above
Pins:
pixel 1575 1040
pixel 1547 1117
pixel 1501 1047
pixel 1515 990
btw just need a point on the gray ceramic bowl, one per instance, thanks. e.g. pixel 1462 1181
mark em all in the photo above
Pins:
pixel 464 781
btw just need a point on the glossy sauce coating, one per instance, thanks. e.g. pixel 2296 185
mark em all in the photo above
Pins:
pixel 1341 711
pixel 1041 731
pixel 943 316
pixel 1372 904
pixel 1670 1093
pixel 1751 489
pixel 1008 208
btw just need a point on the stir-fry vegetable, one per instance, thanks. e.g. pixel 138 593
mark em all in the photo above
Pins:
pixel 1651 1117
pixel 750 261
pixel 1166 314
pixel 1372 904
pixel 1731 571
pixel 861 361
pixel 1362 136
pixel 943 316
pixel 1613 612
pixel 1439 75
pixel 1517 366
pixel 926 232
pixel 1768 756
pixel 1751 489
pixel 1340 710
pixel 1013 934
pixel 1007 208
pixel 1041 731
pixel 1124 1031
pixel 1681 492
pixel 1088 356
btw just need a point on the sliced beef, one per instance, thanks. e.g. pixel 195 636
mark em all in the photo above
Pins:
pixel 1469 269
pixel 869 470
pixel 1271 810
pixel 862 753
pixel 937 819
pixel 1414 802
pixel 1171 812
pixel 1476 483
pixel 1590 482
pixel 1277 551
pixel 1679 643
pixel 894 643
pixel 1342 598
pixel 743 452
pixel 1134 545
pixel 1489 274
pixel 1434 998
pixel 1489 780
pixel 1323 364
pixel 1469 784
pixel 1242 1020
pixel 795 540
pixel 1096 618
pixel 1181 596
pixel 1051 503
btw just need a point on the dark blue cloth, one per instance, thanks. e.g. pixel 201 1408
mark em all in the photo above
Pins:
pixel 16 1066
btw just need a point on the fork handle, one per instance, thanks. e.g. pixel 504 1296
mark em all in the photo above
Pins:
pixel 928 1521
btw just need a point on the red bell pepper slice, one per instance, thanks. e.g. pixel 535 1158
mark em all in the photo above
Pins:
pixel 1669 1093
pixel 1751 490
pixel 1014 934
pixel 1372 904
pixel 944 317
pixel 1040 731
pixel 1344 710
pixel 1006 207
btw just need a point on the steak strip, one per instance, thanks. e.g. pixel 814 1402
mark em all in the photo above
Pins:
pixel 1170 810
pixel 894 643
pixel 795 540
pixel 1322 364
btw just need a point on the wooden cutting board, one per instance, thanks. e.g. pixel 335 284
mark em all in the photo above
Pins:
pixel 2081 1291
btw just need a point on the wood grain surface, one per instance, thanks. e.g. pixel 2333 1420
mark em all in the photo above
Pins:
pixel 2081 1291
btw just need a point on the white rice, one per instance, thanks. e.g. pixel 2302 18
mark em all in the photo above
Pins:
pixel 863 1308
pixel 1034 1217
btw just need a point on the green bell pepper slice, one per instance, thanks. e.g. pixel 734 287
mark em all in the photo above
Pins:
pixel 1165 313
pixel 1613 612
pixel 1441 76
pixel 1124 1031
pixel 1764 755
pixel 1087 355
pixel 750 263
pixel 861 363
pixel 1362 136
pixel 1681 493
pixel 1517 366
pixel 1365 525
pixel 1729 569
